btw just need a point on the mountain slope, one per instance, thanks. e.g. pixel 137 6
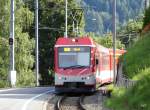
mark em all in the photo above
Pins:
pixel 101 10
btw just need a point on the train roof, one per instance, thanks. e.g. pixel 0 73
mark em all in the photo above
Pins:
pixel 102 49
pixel 77 41
pixel 118 51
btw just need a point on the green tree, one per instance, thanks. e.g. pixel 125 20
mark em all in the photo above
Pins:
pixel 106 41
pixel 130 33
pixel 4 47
pixel 52 26
pixel 146 20
pixel 24 45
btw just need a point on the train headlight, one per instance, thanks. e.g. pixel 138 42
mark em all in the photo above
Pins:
pixel 73 40
pixel 89 77
pixel 59 77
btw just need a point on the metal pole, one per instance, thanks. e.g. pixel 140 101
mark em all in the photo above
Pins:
pixel 12 35
pixel 77 29
pixel 114 39
pixel 66 20
pixel 147 3
pixel 73 27
pixel 37 45
pixel 12 73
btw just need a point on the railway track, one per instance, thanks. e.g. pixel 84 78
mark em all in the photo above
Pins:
pixel 78 102
pixel 70 103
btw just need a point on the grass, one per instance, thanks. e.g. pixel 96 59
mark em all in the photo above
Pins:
pixel 137 67
pixel 138 57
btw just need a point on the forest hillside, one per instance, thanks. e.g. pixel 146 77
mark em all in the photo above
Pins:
pixel 98 13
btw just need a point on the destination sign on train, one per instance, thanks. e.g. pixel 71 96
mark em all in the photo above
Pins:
pixel 74 49
pixel 71 49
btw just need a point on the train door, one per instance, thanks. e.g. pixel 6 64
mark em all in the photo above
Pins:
pixel 98 65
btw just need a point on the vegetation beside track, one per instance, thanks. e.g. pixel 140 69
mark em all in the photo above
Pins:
pixel 137 67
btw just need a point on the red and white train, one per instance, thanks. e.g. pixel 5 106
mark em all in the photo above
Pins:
pixel 80 64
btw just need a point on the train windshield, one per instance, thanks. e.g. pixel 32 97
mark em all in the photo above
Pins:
pixel 74 57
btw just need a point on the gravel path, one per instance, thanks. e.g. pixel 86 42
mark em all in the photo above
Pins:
pixel 95 102
pixel 52 101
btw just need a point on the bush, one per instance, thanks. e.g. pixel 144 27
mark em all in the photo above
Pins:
pixel 137 66
pixel 3 83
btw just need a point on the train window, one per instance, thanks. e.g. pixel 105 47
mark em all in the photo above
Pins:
pixel 105 61
pixel 73 56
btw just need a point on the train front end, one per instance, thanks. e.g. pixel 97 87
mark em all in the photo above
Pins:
pixel 74 65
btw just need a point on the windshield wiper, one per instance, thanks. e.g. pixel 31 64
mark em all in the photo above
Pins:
pixel 75 66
